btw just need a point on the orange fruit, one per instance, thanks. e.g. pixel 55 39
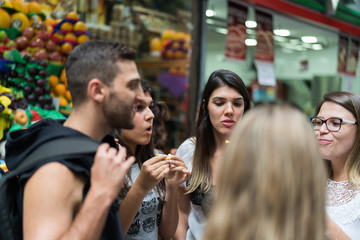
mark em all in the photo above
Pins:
pixel 63 102
pixel 72 15
pixel 66 48
pixel 49 21
pixel 80 27
pixel 82 38
pixel 66 27
pixel 68 95
pixel 63 76
pixel 53 80
pixel 71 37
pixel 60 89
pixel 34 7
pixel 5 21
pixel 20 21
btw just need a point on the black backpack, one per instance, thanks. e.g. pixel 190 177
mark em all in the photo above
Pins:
pixel 10 218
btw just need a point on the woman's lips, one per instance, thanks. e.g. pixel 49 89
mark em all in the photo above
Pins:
pixel 324 142
pixel 228 123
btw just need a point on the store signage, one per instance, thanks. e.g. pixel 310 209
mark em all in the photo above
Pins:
pixel 352 62
pixel 264 37
pixel 342 53
pixel 235 39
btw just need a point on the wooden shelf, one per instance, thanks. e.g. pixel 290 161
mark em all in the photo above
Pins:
pixel 161 63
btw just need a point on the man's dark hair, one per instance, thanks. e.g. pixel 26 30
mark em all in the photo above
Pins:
pixel 94 59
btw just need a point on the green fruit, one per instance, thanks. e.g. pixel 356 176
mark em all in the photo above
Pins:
pixel 3 36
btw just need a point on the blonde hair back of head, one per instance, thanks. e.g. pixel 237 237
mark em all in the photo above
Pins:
pixel 271 180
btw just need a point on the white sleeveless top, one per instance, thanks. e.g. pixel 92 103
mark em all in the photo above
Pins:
pixel 343 206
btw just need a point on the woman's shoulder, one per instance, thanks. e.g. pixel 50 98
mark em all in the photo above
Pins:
pixel 186 150
pixel 186 146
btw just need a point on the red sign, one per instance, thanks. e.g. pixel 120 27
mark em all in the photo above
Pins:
pixel 353 57
pixel 264 37
pixel 343 53
pixel 235 39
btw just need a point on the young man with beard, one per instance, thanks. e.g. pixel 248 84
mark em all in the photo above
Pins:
pixel 75 198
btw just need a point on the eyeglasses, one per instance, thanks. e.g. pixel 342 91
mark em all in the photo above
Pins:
pixel 333 124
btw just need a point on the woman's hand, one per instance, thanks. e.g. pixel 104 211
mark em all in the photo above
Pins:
pixel 152 172
pixel 178 172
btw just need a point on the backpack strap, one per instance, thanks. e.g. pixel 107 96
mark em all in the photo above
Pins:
pixel 67 146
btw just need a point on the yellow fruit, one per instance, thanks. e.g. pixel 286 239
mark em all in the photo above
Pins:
pixel 82 38
pixel 60 89
pixel 72 15
pixel 168 34
pixel 63 76
pixel 5 21
pixel 34 7
pixel 20 21
pixel 49 21
pixel 66 27
pixel 66 48
pixel 6 3
pixel 71 37
pixel 57 37
pixel 80 27
pixel 20 6
pixel 155 44
pixel 63 102
pixel 53 80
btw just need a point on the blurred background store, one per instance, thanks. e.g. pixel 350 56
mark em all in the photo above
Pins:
pixel 285 51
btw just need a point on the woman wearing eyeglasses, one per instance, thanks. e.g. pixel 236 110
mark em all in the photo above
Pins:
pixel 338 134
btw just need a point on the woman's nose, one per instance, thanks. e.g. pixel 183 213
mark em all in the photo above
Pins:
pixel 323 128
pixel 229 108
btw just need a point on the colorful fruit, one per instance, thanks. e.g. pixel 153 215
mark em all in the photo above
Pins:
pixel 53 80
pixel 82 38
pixel 68 95
pixel 5 21
pixel 21 117
pixel 62 101
pixel 20 21
pixel 60 89
pixel 80 27
pixel 20 6
pixel 73 16
pixel 3 36
pixel 57 37
pixel 70 37
pixel 66 48
pixel 66 27
pixel 34 7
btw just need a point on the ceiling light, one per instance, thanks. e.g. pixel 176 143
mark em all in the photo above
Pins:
pixel 317 46
pixel 250 31
pixel 294 41
pixel 282 32
pixel 250 24
pixel 309 39
pixel 210 21
pixel 250 42
pixel 210 13
pixel 279 39
pixel 221 30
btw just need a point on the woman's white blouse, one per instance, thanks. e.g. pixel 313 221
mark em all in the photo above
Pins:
pixel 343 206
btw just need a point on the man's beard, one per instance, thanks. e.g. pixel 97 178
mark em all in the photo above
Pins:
pixel 118 114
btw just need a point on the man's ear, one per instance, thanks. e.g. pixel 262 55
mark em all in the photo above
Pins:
pixel 97 90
